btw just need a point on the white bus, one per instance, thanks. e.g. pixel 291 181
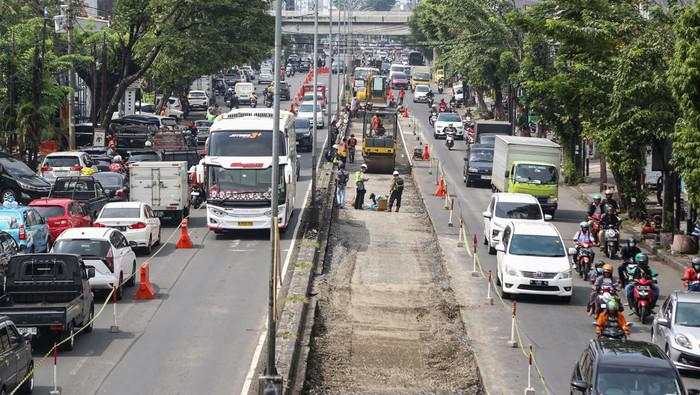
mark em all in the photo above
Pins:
pixel 238 170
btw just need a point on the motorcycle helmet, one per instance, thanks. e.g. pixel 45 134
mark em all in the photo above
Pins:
pixel 597 198
pixel 148 144
pixel 631 242
pixel 641 259
pixel 584 225
pixel 607 268
pixel 612 306
pixel 695 262
pixel 117 159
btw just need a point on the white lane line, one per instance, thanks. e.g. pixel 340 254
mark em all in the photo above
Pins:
pixel 263 334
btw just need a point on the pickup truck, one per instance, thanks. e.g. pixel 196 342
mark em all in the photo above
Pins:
pixel 84 189
pixel 48 294
pixel 172 146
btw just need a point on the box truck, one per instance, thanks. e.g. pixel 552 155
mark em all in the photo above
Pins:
pixel 528 165
pixel 161 185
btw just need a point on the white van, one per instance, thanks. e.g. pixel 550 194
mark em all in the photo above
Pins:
pixel 396 68
pixel 244 91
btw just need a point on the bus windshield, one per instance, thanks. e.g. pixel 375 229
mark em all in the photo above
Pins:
pixel 243 184
pixel 244 143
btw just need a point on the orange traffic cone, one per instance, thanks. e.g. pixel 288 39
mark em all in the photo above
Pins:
pixel 185 241
pixel 426 152
pixel 441 190
pixel 146 290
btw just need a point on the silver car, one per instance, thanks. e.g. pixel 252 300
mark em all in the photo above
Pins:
pixel 676 329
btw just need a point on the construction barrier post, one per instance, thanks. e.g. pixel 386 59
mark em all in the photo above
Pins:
pixel 115 327
pixel 55 390
pixel 460 242
pixel 529 390
pixel 512 341
pixel 451 208
pixel 474 272
pixel 488 290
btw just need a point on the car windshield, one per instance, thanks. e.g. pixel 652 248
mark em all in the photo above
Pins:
pixel 688 314
pixel 81 247
pixel 202 123
pixel 399 76
pixel 449 117
pixel 620 379
pixel 515 210
pixel 307 108
pixel 536 174
pixel 120 212
pixel 301 124
pixel 15 168
pixel 536 245
pixel 50 211
pixel 109 179
pixel 481 155
pixel 244 143
pixel 197 94
pixel 422 88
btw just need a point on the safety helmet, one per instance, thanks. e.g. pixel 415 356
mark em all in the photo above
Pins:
pixel 117 159
pixel 364 166
pixel 641 259
pixel 396 173
pixel 695 262
pixel 597 197
pixel 607 268
pixel 148 144
pixel 612 306
pixel 584 225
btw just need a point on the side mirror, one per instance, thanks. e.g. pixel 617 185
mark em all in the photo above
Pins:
pixel 547 217
pixel 507 174
pixel 486 214
pixel 500 247
pixel 91 272
pixel 579 385
pixel 663 322
pixel 133 244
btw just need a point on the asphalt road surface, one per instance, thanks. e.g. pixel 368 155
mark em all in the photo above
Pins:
pixel 199 334
pixel 560 332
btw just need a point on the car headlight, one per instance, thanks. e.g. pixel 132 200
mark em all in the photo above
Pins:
pixel 217 212
pixel 268 212
pixel 513 272
pixel 565 275
pixel 683 341
pixel 30 187
pixel 473 170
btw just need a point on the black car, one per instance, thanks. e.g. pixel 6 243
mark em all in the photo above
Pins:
pixel 143 155
pixel 478 164
pixel 303 131
pixel 202 126
pixel 285 94
pixel 623 367
pixel 116 185
pixel 8 248
pixel 19 182
pixel 15 358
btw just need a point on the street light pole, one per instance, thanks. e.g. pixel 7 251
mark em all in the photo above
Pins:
pixel 271 382
pixel 70 18
pixel 313 135
pixel 337 49
pixel 329 94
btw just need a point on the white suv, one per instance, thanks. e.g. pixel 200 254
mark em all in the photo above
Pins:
pixel 446 119
pixel 198 100
pixel 504 207
pixel 114 260
pixel 532 259
pixel 64 164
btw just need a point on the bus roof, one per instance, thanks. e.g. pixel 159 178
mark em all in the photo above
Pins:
pixel 250 119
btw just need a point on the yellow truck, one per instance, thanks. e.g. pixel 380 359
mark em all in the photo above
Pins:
pixel 420 75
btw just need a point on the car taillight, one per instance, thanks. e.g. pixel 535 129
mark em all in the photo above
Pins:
pixel 76 168
pixel 97 225
pixel 138 225
pixel 109 261
pixel 45 168
pixel 22 233
pixel 62 222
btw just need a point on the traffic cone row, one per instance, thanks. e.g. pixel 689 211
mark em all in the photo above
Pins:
pixel 441 190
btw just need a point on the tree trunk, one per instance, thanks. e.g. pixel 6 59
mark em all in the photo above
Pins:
pixel 498 111
pixel 481 104
pixel 667 214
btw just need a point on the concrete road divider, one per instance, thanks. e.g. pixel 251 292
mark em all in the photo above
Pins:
pixel 146 290
pixel 185 241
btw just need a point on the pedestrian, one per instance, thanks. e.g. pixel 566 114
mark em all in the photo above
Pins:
pixel 342 177
pixel 360 180
pixel 343 150
pixel 353 107
pixel 402 93
pixel 395 191
pixel 352 143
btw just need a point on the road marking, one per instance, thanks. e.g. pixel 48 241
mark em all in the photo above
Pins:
pixel 261 340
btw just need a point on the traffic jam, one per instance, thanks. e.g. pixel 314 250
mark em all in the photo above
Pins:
pixel 81 229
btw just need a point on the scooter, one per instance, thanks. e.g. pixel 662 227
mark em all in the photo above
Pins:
pixel 584 258
pixel 441 88
pixel 641 298
pixel 612 242
pixel 432 119
pixel 628 274
pixel 449 140
pixel 197 196
pixel 253 102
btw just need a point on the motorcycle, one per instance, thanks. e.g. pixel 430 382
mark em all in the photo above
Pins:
pixel 612 242
pixel 594 220
pixel 441 88
pixel 611 330
pixel 641 298
pixel 449 140
pixel 584 258
pixel 253 102
pixel 197 196
pixel 628 273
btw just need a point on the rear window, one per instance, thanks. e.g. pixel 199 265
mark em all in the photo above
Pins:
pixel 197 94
pixel 168 121
pixel 50 211
pixel 422 88
pixel 43 267
pixel 8 222
pixel 120 212
pixel 399 76
pixel 518 210
pixel 145 157
pixel 82 247
pixel 110 179
pixel 61 161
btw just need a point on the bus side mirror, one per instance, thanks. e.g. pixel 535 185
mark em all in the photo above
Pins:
pixel 507 174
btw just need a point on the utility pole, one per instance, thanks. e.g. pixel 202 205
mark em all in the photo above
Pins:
pixel 313 135
pixel 271 382
pixel 337 49
pixel 70 19
pixel 329 94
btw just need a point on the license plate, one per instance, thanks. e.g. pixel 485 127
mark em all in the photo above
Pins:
pixel 539 283
pixel 485 177
pixel 28 331
pixel 122 228
pixel 245 223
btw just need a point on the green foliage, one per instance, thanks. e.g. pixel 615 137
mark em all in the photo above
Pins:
pixel 685 83
pixel 378 5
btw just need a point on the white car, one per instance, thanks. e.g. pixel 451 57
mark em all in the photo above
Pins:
pixel 64 164
pixel 265 77
pixel 420 94
pixel 198 100
pixel 532 259
pixel 135 220
pixel 504 207
pixel 112 257
pixel 309 97
pixel 446 119
pixel 306 111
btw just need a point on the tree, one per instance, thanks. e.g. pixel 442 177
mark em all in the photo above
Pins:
pixel 378 5
pixel 684 79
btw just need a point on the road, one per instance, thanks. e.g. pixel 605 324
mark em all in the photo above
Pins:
pixel 558 331
pixel 199 334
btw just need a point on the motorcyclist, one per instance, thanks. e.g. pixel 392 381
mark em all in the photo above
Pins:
pixel 629 250
pixel 582 236
pixel 691 275
pixel 443 105
pixel 605 279
pixel 612 313
pixel 596 271
pixel 253 100
pixel 117 165
pixel 596 206
pixel 643 271
pixel 609 219
pixel 450 132
pixel 609 200
pixel 431 99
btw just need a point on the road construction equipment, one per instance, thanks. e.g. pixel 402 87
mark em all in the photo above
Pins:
pixel 379 140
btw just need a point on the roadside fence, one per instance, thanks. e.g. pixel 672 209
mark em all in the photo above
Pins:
pixel 143 270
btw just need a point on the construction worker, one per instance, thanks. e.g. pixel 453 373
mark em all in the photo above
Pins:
pixel 342 178
pixel 360 180
pixel 395 191
pixel 352 143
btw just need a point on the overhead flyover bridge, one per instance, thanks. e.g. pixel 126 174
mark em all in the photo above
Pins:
pixel 375 23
